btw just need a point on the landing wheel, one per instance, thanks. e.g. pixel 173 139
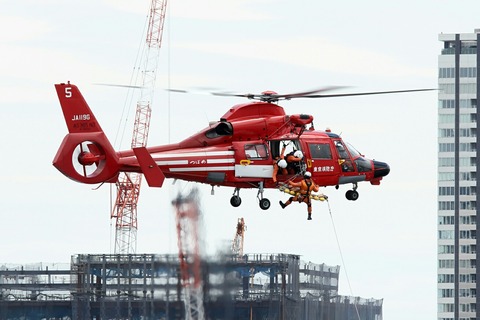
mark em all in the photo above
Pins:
pixel 352 195
pixel 235 201
pixel 264 204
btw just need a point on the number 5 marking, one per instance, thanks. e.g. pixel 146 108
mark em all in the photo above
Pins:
pixel 68 92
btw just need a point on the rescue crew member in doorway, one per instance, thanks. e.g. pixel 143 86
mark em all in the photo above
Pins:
pixel 294 160
pixel 306 187
pixel 279 164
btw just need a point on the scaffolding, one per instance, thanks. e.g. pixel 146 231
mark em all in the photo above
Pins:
pixel 148 286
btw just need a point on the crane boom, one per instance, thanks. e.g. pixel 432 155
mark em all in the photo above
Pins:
pixel 128 184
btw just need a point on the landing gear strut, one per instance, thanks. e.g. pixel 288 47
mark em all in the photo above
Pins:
pixel 235 200
pixel 352 194
pixel 264 203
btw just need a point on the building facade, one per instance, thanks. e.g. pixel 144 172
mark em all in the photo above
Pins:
pixel 457 183
pixel 151 286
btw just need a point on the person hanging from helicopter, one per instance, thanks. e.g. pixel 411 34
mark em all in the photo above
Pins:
pixel 294 161
pixel 307 185
pixel 280 164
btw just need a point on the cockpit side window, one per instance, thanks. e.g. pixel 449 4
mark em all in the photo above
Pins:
pixel 320 150
pixel 342 153
pixel 345 162
pixel 256 151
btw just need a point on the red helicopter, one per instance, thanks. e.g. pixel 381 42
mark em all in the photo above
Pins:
pixel 237 151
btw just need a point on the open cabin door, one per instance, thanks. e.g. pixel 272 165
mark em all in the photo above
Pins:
pixel 252 160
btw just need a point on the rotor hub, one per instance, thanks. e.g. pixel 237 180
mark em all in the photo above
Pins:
pixel 86 158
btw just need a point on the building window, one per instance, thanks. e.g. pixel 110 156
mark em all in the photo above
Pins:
pixel 445 249
pixel 446 162
pixel 468 118
pixel 446 220
pixel 446 205
pixel 446 104
pixel 445 264
pixel 446 147
pixel 468 205
pixel 446 133
pixel 449 88
pixel 468 176
pixel 446 176
pixel 467 72
pixel 446 191
pixel 445 234
pixel 450 104
pixel 446 118
pixel 446 293
pixel 446 278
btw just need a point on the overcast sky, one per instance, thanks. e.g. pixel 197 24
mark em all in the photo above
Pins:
pixel 387 237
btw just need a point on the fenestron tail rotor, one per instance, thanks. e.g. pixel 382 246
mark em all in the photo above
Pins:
pixel 86 158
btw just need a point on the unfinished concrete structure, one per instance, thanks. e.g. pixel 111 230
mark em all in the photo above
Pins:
pixel 148 286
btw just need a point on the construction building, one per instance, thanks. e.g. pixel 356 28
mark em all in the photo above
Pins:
pixel 149 286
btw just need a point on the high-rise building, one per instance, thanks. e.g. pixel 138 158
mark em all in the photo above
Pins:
pixel 458 136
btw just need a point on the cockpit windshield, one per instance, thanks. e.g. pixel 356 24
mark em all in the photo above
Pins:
pixel 353 152
pixel 363 165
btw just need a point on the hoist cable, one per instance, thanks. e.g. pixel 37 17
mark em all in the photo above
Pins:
pixel 341 257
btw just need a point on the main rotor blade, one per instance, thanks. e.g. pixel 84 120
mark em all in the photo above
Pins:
pixel 309 93
pixel 230 94
pixel 199 90
pixel 360 93
pixel 276 96
pixel 270 96
pixel 119 85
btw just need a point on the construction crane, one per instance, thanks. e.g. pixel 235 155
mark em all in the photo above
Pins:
pixel 188 237
pixel 128 184
pixel 237 244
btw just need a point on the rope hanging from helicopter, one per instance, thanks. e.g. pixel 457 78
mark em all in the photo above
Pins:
pixel 341 257
pixel 284 187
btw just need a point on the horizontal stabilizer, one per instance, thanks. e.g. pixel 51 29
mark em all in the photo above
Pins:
pixel 150 170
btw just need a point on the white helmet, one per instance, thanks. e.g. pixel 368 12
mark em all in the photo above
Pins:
pixel 298 154
pixel 307 175
pixel 282 163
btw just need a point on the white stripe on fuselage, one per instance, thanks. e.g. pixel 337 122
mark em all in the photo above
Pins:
pixel 229 160
pixel 171 162
pixel 192 159
pixel 193 154
pixel 201 169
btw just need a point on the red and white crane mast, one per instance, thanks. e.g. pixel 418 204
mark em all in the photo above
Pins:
pixel 237 244
pixel 128 184
pixel 188 217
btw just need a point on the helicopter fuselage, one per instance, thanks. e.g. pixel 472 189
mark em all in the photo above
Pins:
pixel 240 151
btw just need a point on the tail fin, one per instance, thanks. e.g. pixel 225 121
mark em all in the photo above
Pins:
pixel 150 169
pixel 77 113
pixel 85 154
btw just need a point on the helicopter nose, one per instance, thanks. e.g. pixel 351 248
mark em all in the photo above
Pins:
pixel 380 169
